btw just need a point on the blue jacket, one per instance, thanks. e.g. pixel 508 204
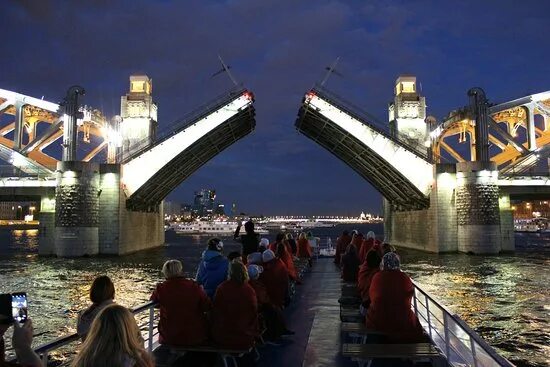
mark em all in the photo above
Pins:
pixel 212 271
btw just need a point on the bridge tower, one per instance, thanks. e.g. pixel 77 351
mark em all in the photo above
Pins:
pixel 139 114
pixel 407 113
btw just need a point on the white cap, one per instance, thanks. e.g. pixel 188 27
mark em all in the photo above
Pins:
pixel 264 242
pixel 268 255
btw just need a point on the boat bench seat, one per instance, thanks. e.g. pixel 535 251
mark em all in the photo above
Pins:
pixel 226 355
pixel 351 315
pixel 415 351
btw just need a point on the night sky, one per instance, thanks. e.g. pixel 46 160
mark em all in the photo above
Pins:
pixel 278 49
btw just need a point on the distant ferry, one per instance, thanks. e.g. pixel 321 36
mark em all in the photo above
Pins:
pixel 209 227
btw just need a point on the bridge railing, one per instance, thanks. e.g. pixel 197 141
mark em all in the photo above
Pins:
pixel 14 172
pixel 461 345
pixel 180 124
pixel 147 317
pixel 367 119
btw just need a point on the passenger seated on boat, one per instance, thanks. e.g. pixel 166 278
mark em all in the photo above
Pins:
pixel 234 255
pixel 350 264
pixel 254 258
pixel 21 340
pixel 342 243
pixel 278 239
pixel 367 270
pixel 369 243
pixel 271 317
pixel 234 317
pixel 291 243
pixel 102 294
pixel 212 270
pixel 114 340
pixel 386 248
pixel 390 312
pixel 249 240
pixel 275 278
pixel 283 255
pixel 304 249
pixel 183 306
pixel 357 240
pixel 264 244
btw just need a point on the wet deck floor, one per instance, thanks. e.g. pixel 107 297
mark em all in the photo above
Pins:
pixel 314 316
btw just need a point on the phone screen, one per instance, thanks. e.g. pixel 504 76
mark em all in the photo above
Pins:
pixel 19 307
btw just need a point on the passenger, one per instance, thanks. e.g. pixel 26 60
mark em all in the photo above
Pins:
pixel 213 267
pixel 292 243
pixel 235 313
pixel 283 255
pixel 385 248
pixel 341 245
pixel 182 302
pixel 313 244
pixel 254 258
pixel 390 312
pixel 368 269
pixel 21 340
pixel 234 255
pixel 114 340
pixel 264 244
pixel 357 240
pixel 368 243
pixel 272 316
pixel 102 294
pixel 350 264
pixel 278 239
pixel 249 240
pixel 275 278
pixel 304 249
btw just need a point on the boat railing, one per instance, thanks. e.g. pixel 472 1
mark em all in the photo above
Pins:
pixel 461 345
pixel 147 319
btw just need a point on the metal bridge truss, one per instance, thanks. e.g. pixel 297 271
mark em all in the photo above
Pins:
pixel 152 172
pixel 513 155
pixel 401 174
pixel 28 113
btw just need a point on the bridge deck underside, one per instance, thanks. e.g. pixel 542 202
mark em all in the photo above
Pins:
pixel 372 167
pixel 148 196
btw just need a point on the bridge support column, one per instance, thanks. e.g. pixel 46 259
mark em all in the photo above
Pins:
pixel 46 232
pixel 443 209
pixel 77 209
pixel 477 208
pixel 506 223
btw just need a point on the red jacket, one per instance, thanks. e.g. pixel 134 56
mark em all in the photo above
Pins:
pixel 275 279
pixel 261 292
pixel 183 304
pixel 235 315
pixel 304 249
pixel 287 259
pixel 367 245
pixel 390 293
pixel 341 245
pixel 364 280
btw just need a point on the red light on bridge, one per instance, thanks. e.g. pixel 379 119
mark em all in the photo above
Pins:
pixel 309 96
pixel 248 95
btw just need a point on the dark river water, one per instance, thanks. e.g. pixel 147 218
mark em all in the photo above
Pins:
pixel 506 298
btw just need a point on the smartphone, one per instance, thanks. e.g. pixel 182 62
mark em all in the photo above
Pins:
pixel 19 307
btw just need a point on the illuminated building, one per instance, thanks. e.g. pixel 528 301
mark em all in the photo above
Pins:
pixel 204 202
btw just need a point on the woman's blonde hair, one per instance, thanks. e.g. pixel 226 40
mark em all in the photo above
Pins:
pixel 113 339
pixel 172 269
pixel 302 236
pixel 238 272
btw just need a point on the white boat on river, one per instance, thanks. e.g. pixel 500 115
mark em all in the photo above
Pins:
pixel 209 227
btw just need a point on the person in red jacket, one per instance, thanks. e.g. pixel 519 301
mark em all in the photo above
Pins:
pixel 283 255
pixel 235 313
pixel 367 271
pixel 357 240
pixel 275 278
pixel 183 305
pixel 350 264
pixel 390 312
pixel 341 245
pixel 304 250
pixel 369 243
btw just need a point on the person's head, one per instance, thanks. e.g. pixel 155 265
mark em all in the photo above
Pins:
pixel 390 261
pixel 114 336
pixel 215 244
pixel 172 269
pixel 234 255
pixel 370 234
pixel 281 250
pixel 288 236
pixel 238 272
pixel 268 256
pixel 280 237
pixel 373 259
pixel 309 235
pixel 102 289
pixel 249 227
pixel 386 247
pixel 254 271
pixel 302 236
pixel 351 249
pixel 254 258
pixel 264 242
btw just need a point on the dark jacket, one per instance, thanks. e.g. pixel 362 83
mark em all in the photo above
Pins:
pixel 183 307
pixel 212 271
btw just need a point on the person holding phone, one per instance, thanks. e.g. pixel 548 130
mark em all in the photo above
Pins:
pixel 21 339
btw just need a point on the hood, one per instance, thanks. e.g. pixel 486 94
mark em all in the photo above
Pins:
pixel 212 257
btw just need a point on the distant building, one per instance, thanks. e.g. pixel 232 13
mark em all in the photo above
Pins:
pixel 186 211
pixel 220 209
pixel 171 208
pixel 204 202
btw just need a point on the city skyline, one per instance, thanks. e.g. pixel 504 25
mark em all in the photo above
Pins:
pixel 278 49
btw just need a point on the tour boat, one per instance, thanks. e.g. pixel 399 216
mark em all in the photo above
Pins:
pixel 210 227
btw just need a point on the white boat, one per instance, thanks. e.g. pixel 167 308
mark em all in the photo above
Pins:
pixel 209 227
